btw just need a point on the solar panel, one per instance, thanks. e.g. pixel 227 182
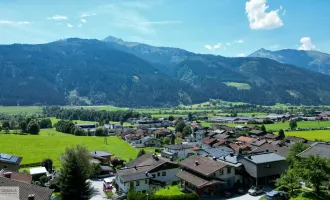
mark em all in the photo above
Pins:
pixel 6 156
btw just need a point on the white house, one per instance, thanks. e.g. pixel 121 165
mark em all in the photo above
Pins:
pixel 138 173
pixel 177 151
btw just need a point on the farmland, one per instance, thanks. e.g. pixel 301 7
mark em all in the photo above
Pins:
pixel 50 143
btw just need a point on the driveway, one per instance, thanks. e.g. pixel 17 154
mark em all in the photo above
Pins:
pixel 97 185
pixel 242 197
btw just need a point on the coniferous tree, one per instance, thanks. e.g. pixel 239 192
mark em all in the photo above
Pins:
pixel 76 169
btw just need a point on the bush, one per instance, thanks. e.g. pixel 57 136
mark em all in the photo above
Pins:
pixel 282 188
pixel 33 128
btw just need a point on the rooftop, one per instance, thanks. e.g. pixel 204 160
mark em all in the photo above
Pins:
pixel 26 178
pixel 321 149
pixel 7 158
pixel 26 189
pixel 38 170
pixel 244 139
pixel 179 146
pixel 134 173
pixel 264 158
pixel 100 153
pixel 202 165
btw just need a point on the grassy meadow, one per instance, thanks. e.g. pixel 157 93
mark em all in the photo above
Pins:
pixel 50 143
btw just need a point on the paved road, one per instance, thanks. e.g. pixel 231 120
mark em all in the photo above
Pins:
pixel 98 189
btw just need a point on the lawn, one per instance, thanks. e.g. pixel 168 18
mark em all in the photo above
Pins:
pixel 50 143
pixel 169 191
pixel 311 135
pixel 302 124
pixel 28 110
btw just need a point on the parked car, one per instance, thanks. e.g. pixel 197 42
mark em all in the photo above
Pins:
pixel 255 190
pixel 277 195
pixel 107 184
pixel 240 190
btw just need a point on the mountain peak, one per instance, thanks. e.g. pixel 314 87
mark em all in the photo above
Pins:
pixel 113 39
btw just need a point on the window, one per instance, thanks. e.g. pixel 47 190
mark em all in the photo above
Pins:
pixel 229 170
pixel 154 176
pixel 146 181
pixel 137 183
pixel 163 173
pixel 158 174
pixel 221 172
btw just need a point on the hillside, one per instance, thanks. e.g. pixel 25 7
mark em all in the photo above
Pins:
pixel 83 72
pixel 92 72
pixel 311 60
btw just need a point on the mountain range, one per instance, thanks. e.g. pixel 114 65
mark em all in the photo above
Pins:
pixel 312 60
pixel 112 71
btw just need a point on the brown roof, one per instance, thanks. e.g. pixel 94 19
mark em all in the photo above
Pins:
pixel 236 147
pixel 295 139
pixel 244 139
pixel 26 178
pixel 205 166
pixel 220 142
pixel 258 142
pixel 271 136
pixel 26 189
pixel 162 131
pixel 279 150
pixel 209 140
pixel 191 178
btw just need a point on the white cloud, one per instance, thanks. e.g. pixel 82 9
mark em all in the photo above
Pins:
pixel 58 17
pixel 69 25
pixel 241 55
pixel 239 41
pixel 83 20
pixel 6 22
pixel 306 44
pixel 214 47
pixel 258 16
pixel 84 15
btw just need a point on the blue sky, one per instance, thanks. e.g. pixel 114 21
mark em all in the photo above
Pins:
pixel 223 27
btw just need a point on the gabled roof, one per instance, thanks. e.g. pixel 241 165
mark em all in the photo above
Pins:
pixel 26 178
pixel 220 142
pixel 255 132
pixel 295 139
pixel 26 189
pixel 271 136
pixel 134 173
pixel 204 165
pixel 100 153
pixel 244 147
pixel 275 148
pixel 244 139
pixel 264 158
pixel 258 142
pixel 191 178
pixel 209 140
pixel 321 149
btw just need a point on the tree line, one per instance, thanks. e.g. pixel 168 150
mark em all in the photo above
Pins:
pixel 67 126
pixel 25 125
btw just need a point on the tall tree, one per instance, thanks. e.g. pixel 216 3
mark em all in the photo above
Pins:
pixel 190 117
pixel 186 131
pixel 33 127
pixel 289 179
pixel 281 134
pixel 48 164
pixel 23 126
pixel 167 140
pixel 295 149
pixel 293 124
pixel 141 153
pixel 263 128
pixel 179 126
pixel 75 171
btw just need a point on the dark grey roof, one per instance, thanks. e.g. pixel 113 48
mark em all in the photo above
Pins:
pixel 134 173
pixel 321 149
pixel 26 189
pixel 275 148
pixel 256 132
pixel 218 152
pixel 106 168
pixel 178 146
pixel 265 158
pixel 100 153
pixel 7 158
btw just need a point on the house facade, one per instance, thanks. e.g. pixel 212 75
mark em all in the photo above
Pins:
pixel 10 162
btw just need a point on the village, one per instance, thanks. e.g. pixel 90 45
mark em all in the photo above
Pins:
pixel 239 162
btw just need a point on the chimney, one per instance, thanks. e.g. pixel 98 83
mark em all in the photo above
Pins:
pixel 249 157
pixel 7 174
pixel 95 152
pixel 214 158
pixel 31 197
pixel 135 167
pixel 267 150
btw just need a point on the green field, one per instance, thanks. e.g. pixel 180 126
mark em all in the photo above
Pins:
pixel 28 110
pixel 169 191
pixel 50 143
pixel 311 135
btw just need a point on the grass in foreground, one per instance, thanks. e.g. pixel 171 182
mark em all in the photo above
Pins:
pixel 50 143
pixel 169 191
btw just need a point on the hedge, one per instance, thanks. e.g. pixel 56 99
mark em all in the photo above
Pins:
pixel 133 195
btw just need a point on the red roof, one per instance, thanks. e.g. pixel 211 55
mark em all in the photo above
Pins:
pixel 245 139
pixel 236 147
pixel 220 142
pixel 209 140
pixel 17 176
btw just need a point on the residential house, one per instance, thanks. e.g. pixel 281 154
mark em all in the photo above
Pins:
pixel 244 139
pixel 256 133
pixel 242 128
pixel 264 167
pixel 190 141
pixel 177 151
pixel 206 175
pixel 102 155
pixel 278 117
pixel 257 142
pixel 152 142
pixel 323 116
pixel 161 133
pixel 87 127
pixel 201 134
pixel 290 140
pixel 149 123
pixel 140 173
pixel 237 147
pixel 270 136
pixel 17 176
pixel 275 147
pixel 218 152
pixel 27 191
pixel 208 142
pixel 318 148
pixel 10 162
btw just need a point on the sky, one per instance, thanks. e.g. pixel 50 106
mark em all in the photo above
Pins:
pixel 222 27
